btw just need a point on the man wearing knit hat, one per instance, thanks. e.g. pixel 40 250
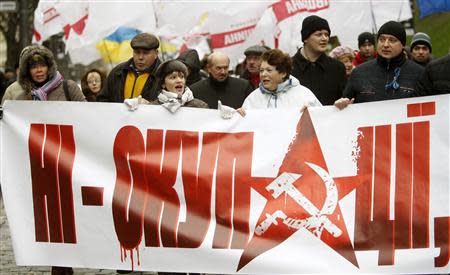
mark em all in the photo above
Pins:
pixel 366 45
pixel 135 77
pixel 390 76
pixel 420 48
pixel 323 75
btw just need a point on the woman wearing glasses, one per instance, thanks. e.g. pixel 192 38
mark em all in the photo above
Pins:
pixel 92 84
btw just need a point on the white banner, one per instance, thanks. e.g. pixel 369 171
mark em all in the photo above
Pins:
pixel 363 190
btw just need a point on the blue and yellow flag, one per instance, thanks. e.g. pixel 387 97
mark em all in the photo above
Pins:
pixel 115 48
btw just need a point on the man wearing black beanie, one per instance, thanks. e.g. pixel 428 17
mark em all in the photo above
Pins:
pixel 390 76
pixel 323 75
pixel 366 45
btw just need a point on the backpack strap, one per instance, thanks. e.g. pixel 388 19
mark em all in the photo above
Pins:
pixel 66 90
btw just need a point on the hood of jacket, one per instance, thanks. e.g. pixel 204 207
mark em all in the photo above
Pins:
pixel 190 58
pixel 24 78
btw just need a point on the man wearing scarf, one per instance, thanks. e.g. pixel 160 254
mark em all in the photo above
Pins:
pixel 390 76
pixel 40 80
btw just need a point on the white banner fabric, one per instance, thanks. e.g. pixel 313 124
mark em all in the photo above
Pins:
pixel 363 190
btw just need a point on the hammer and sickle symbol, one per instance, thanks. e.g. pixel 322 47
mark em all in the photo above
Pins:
pixel 318 220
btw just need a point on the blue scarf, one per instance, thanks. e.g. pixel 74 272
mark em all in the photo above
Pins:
pixel 394 84
pixel 282 88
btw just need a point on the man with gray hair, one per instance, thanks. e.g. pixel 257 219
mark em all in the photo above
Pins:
pixel 219 85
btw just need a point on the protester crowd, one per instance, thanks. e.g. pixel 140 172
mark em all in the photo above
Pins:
pixel 380 69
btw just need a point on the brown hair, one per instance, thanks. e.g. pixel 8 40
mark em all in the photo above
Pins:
pixel 90 96
pixel 280 60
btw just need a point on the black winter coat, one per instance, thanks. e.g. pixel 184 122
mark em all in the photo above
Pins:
pixel 115 83
pixel 435 79
pixel 325 77
pixel 191 60
pixel 231 92
pixel 368 81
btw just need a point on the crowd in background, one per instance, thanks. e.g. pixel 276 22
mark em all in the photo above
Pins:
pixel 382 68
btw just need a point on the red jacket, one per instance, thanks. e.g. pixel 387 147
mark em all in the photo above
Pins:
pixel 358 60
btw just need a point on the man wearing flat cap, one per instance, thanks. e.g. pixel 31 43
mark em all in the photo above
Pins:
pixel 135 77
pixel 390 76
pixel 366 45
pixel 323 75
pixel 421 49
pixel 252 64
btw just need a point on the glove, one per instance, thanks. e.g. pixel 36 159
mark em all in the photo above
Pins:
pixel 226 112
pixel 133 103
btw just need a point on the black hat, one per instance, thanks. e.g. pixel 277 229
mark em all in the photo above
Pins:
pixel 313 23
pixel 366 37
pixel 421 38
pixel 255 50
pixel 393 28
pixel 145 41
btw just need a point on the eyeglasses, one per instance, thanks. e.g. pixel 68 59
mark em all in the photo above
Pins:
pixel 94 82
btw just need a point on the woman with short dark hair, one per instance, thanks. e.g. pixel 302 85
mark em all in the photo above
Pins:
pixel 171 76
pixel 278 89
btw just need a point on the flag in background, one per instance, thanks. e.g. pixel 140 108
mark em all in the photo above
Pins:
pixel 427 7
pixel 115 48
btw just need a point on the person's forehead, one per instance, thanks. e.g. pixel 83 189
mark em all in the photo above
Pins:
pixel 367 43
pixel 253 56
pixel 175 73
pixel 220 62
pixel 321 31
pixel 384 35
pixel 93 74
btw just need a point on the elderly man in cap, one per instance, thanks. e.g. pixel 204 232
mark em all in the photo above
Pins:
pixel 323 75
pixel 252 64
pixel 390 76
pixel 420 49
pixel 366 45
pixel 135 77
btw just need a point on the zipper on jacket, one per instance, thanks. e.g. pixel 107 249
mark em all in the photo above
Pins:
pixel 387 73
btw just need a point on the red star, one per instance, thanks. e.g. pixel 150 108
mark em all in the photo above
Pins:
pixel 305 148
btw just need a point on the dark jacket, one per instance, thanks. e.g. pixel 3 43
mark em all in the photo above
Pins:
pixel 115 82
pixel 436 78
pixel 231 92
pixel 191 60
pixel 368 81
pixel 325 77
